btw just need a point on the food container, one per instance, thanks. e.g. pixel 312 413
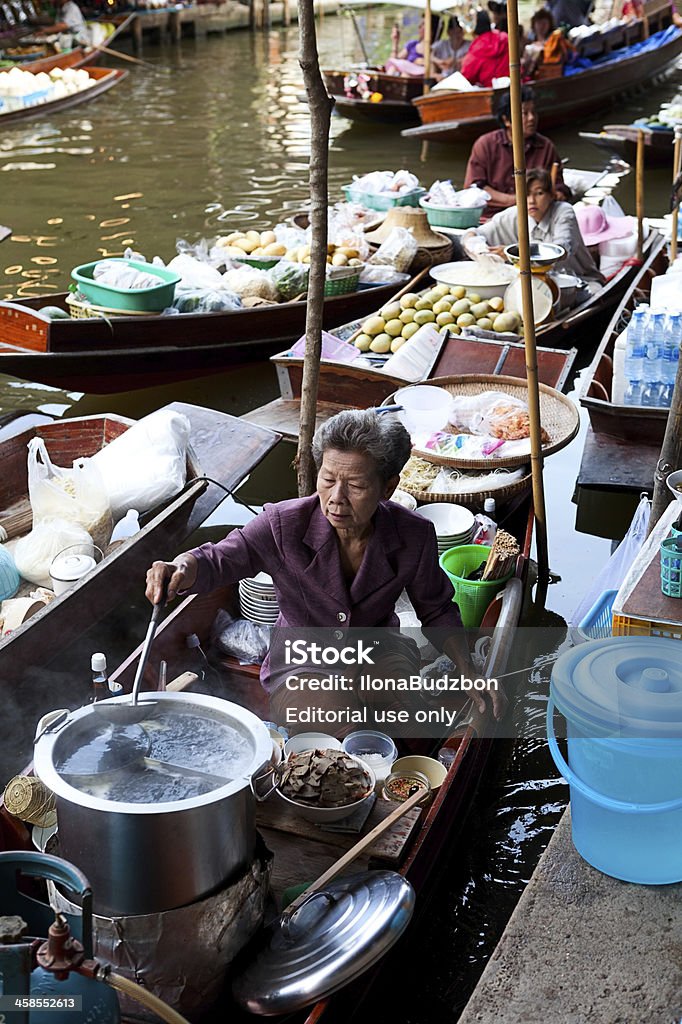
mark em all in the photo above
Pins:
pixel 401 497
pixel 400 785
pixel 425 408
pixel 375 749
pixel 434 771
pixel 326 815
pixel 151 839
pixel 310 741
pixel 469 274
pixel 71 564
pixel 381 200
pixel 451 216
pixel 153 299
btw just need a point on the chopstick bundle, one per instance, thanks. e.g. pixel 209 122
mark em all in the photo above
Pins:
pixel 502 557
pixel 17 522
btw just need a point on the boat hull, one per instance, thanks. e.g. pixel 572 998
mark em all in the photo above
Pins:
pixel 104 79
pixel 394 107
pixel 621 140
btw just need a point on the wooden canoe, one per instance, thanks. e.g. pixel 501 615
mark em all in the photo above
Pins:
pixel 454 117
pixel 78 57
pixel 395 105
pixel 630 423
pixel 103 79
pixel 621 139
pixel 102 356
pixel 222 447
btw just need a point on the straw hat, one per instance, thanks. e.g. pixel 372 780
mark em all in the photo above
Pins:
pixel 412 218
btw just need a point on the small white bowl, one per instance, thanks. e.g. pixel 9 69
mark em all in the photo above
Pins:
pixel 434 771
pixel 674 482
pixel 449 520
pixel 310 741
pixel 403 498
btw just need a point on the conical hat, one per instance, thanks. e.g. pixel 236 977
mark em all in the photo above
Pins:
pixel 408 217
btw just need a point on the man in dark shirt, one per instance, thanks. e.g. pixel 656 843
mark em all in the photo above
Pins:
pixel 491 164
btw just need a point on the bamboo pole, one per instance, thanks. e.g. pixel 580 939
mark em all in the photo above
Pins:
pixel 676 173
pixel 427 69
pixel 320 105
pixel 639 193
pixel 519 151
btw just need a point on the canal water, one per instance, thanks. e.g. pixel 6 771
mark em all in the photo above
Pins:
pixel 214 139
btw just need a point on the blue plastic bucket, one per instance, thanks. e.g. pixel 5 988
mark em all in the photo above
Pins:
pixel 622 701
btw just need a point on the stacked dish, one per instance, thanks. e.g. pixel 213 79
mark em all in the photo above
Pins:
pixel 454 524
pixel 257 599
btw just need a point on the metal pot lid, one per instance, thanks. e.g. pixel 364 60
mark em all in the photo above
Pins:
pixel 335 935
pixel 626 686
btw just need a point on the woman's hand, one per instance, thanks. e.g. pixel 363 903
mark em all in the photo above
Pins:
pixel 180 575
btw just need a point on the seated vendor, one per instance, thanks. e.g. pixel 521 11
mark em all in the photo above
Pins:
pixel 339 558
pixel 447 54
pixel 541 28
pixel 488 56
pixel 549 221
pixel 409 60
pixel 71 20
pixel 491 164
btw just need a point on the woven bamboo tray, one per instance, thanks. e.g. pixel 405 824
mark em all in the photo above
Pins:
pixel 558 415
pixel 472 499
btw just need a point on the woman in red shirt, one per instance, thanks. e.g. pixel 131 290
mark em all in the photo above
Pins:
pixel 488 55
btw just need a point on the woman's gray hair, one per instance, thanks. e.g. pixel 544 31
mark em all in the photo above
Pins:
pixel 381 436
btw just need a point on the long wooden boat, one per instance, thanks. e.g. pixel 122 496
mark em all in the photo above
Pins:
pixel 396 92
pixel 454 117
pixel 621 139
pixel 102 356
pixel 344 385
pixel 222 447
pixel 638 424
pixel 103 79
pixel 78 57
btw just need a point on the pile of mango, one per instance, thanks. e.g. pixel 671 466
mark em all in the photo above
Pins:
pixel 337 255
pixel 446 308
pixel 264 244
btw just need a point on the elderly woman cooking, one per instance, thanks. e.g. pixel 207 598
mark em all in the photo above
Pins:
pixel 549 220
pixel 341 557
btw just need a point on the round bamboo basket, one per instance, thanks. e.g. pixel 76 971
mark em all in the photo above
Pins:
pixel 472 499
pixel 26 798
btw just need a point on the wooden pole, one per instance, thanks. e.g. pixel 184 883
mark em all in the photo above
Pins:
pixel 639 193
pixel 427 68
pixel 671 453
pixel 320 105
pixel 518 146
pixel 676 173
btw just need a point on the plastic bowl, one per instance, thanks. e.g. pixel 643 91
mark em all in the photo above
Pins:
pixel 425 408
pixel 467 274
pixel 674 482
pixel 449 520
pixel 326 815
pixel 451 216
pixel 310 741
pixel 364 742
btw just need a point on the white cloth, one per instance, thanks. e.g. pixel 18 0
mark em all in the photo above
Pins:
pixel 72 17
pixel 559 225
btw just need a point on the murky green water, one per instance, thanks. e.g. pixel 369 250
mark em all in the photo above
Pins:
pixel 217 138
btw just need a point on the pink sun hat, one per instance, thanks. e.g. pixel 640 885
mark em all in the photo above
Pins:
pixel 596 227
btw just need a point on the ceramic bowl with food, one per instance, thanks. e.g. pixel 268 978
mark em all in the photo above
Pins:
pixel 486 282
pixel 434 771
pixel 310 741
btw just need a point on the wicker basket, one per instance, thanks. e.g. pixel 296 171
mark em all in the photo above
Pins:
pixel 558 414
pixel 81 309
pixel 343 284
pixel 472 499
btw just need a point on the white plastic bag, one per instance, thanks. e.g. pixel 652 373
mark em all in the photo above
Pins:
pixel 147 464
pixel 77 495
pixel 613 573
pixel 397 250
pixel 242 639
pixel 35 552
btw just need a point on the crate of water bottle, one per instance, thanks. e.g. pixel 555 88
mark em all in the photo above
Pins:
pixel 651 356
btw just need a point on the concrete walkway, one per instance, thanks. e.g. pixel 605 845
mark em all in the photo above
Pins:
pixel 583 948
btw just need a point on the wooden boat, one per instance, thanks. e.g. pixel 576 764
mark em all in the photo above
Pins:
pixel 101 356
pixel 463 116
pixel 396 92
pixel 343 385
pixel 630 423
pixel 621 139
pixel 78 57
pixel 103 79
pixel 223 448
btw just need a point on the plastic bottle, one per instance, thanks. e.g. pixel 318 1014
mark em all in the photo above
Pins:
pixel 654 337
pixel 671 357
pixel 126 527
pixel 634 356
pixel 100 682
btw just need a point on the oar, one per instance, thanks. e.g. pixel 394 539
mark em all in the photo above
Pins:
pixel 639 192
pixel 133 60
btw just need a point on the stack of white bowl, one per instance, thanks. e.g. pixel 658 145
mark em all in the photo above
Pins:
pixel 257 599
pixel 454 524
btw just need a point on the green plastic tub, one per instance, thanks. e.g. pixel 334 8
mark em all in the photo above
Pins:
pixel 452 217
pixel 138 300
pixel 376 201
pixel 472 596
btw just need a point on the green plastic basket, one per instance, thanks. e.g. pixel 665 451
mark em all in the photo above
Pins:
pixel 472 596
pixel 342 285
pixel 451 217
pixel 671 567
pixel 376 201
pixel 139 300
pixel 259 262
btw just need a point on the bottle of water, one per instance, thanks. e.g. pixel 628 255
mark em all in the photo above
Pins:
pixel 654 338
pixel 635 352
pixel 671 357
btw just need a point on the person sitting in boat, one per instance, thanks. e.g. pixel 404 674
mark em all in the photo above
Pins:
pixel 570 13
pixel 632 10
pixel 549 221
pixel 339 558
pixel 409 60
pixel 71 20
pixel 491 164
pixel 488 55
pixel 447 54
pixel 541 28
pixel 498 15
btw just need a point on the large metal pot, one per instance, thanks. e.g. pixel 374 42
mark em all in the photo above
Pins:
pixel 144 857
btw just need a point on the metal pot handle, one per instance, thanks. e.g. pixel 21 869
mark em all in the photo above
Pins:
pixel 51 722
pixel 289 915
pixel 270 770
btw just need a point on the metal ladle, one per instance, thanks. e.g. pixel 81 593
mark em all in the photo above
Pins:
pixel 122 713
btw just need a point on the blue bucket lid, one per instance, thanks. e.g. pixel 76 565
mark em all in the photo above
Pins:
pixel 625 686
